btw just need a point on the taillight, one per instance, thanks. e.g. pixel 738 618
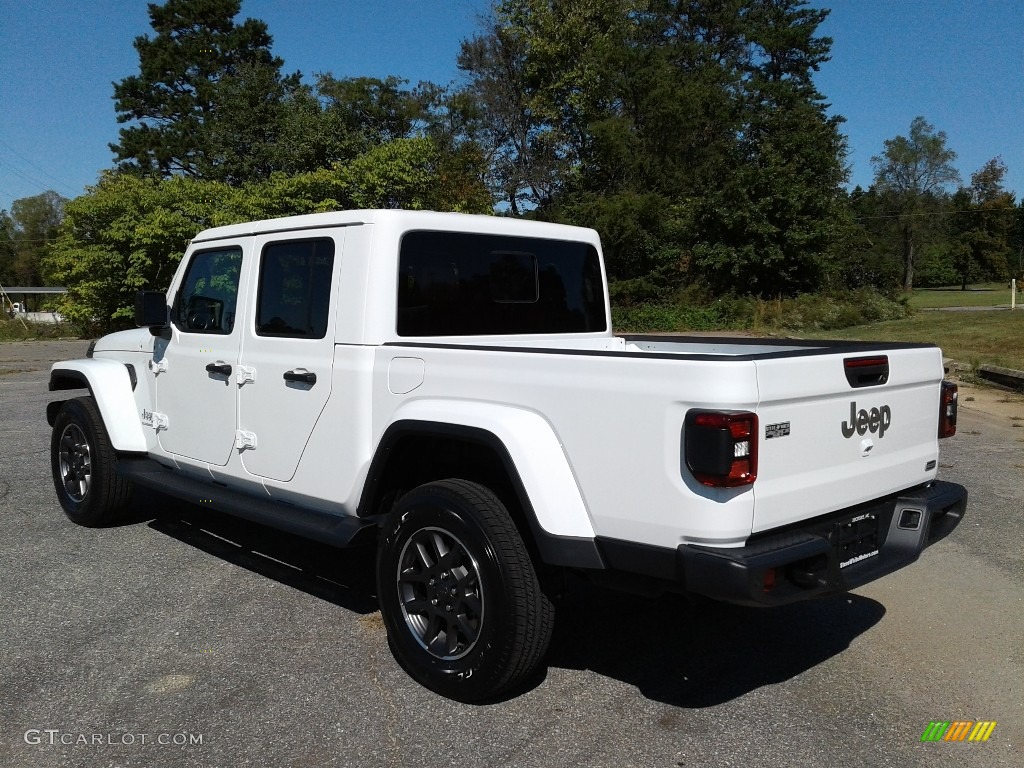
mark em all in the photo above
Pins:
pixel 947 410
pixel 721 447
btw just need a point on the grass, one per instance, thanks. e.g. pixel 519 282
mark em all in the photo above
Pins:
pixel 803 314
pixel 995 338
pixel 13 330
pixel 982 295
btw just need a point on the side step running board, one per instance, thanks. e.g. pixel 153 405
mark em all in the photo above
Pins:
pixel 338 530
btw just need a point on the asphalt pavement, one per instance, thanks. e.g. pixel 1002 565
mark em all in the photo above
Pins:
pixel 185 638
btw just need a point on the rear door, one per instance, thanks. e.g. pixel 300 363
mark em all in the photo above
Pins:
pixel 287 354
pixel 842 429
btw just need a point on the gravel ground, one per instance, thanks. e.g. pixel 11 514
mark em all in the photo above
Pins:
pixel 242 646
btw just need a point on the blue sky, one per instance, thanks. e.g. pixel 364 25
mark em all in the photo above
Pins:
pixel 959 64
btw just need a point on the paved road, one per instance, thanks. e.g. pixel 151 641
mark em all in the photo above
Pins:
pixel 239 646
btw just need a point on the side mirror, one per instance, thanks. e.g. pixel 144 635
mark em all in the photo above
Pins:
pixel 151 311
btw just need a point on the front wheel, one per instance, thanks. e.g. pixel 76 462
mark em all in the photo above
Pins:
pixel 464 611
pixel 84 466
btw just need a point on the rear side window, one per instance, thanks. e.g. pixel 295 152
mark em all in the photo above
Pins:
pixel 460 284
pixel 209 292
pixel 294 298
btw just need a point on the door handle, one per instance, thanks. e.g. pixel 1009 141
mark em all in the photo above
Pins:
pixel 305 377
pixel 222 369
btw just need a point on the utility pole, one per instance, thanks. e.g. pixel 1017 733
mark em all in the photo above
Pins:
pixel 7 298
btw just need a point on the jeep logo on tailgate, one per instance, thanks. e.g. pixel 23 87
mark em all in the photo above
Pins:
pixel 862 421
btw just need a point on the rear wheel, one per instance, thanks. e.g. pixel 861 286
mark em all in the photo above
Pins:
pixel 84 466
pixel 463 608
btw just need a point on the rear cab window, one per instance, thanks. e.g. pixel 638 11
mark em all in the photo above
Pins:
pixel 464 284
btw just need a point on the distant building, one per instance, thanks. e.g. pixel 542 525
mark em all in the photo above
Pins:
pixel 15 301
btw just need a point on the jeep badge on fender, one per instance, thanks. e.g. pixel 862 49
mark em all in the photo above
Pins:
pixel 875 420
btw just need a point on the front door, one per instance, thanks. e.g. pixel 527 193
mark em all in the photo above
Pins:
pixel 288 353
pixel 195 412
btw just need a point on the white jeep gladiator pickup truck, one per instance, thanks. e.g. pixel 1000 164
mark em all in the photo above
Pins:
pixel 450 384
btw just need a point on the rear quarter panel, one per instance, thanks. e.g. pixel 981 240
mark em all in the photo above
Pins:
pixel 618 420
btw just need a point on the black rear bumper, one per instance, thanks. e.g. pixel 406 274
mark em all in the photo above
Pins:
pixel 832 553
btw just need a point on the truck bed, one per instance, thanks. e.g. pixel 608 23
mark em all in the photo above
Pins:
pixel 617 406
pixel 670 345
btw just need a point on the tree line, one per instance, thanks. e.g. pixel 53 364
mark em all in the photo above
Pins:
pixel 689 133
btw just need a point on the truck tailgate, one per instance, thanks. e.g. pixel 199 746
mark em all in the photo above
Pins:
pixel 830 440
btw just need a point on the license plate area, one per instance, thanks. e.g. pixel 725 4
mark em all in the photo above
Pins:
pixel 856 539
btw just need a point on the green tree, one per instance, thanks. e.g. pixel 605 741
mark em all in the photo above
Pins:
pixel 917 170
pixel 250 134
pixel 523 162
pixel 25 237
pixel 779 209
pixel 370 110
pixel 128 233
pixel 984 226
pixel 872 251
pixel 698 122
pixel 199 76
pixel 416 174
pixel 7 252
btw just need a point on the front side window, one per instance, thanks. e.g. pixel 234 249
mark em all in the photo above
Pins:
pixel 208 296
pixel 462 284
pixel 294 299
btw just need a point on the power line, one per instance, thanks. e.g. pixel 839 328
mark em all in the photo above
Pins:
pixel 28 162
pixel 24 176
pixel 28 179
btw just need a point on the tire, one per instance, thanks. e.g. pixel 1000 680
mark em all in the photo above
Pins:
pixel 84 466
pixel 464 611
